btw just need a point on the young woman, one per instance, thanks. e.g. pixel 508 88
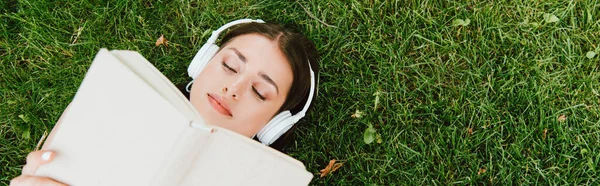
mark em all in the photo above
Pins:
pixel 260 70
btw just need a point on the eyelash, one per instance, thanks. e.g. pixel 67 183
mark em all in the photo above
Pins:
pixel 227 67
pixel 262 98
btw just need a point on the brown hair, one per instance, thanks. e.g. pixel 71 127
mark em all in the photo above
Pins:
pixel 299 51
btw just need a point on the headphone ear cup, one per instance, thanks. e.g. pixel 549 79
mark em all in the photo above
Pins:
pixel 276 127
pixel 202 58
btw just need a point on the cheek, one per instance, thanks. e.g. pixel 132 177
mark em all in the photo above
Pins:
pixel 196 99
pixel 205 80
pixel 209 70
pixel 200 87
pixel 252 117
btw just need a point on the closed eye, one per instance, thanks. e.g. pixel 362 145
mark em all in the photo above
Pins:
pixel 227 67
pixel 261 97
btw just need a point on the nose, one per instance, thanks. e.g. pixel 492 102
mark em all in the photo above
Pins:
pixel 235 90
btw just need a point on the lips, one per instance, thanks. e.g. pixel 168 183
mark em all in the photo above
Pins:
pixel 219 104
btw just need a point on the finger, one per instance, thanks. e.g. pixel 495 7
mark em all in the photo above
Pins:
pixel 25 180
pixel 35 159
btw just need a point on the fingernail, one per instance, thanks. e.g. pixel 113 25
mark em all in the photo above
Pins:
pixel 46 156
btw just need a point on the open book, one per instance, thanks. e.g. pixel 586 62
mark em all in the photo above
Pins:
pixel 129 125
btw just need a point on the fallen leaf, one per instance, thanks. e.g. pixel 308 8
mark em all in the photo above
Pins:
pixel 460 22
pixel 470 130
pixel 590 54
pixel 562 118
pixel 550 18
pixel 162 41
pixel 481 171
pixel 331 167
pixel 545 132
pixel 524 41
pixel 24 118
pixel 357 114
pixel 369 135
pixel 583 151
pixel 26 134
pixel 590 164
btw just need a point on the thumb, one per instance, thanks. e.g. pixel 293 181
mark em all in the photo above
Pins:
pixel 35 159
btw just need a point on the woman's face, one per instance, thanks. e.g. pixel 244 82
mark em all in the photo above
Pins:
pixel 243 85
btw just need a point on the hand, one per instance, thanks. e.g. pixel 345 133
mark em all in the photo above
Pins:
pixel 34 160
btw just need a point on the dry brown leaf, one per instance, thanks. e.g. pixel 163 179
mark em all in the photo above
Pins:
pixel 545 132
pixel 562 118
pixel 331 167
pixel 162 41
pixel 481 171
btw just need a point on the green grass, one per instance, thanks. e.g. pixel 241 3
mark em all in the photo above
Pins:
pixel 508 76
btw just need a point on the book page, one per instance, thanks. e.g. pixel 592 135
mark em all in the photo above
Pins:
pixel 228 160
pixel 161 84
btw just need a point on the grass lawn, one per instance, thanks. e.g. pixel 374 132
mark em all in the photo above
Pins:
pixel 453 92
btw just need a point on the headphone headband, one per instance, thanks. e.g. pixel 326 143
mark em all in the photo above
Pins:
pixel 216 33
pixel 208 50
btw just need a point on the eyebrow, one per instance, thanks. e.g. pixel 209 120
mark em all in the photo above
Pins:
pixel 240 55
pixel 269 80
pixel 263 75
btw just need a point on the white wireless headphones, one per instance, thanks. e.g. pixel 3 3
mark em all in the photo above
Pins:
pixel 283 121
